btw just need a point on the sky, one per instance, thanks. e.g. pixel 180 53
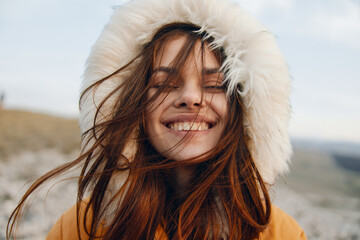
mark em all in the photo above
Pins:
pixel 44 45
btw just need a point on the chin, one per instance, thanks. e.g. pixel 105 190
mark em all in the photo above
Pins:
pixel 190 155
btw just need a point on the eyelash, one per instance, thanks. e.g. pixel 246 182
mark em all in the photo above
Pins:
pixel 214 87
pixel 157 86
pixel 211 87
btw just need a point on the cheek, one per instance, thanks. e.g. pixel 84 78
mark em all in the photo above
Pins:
pixel 152 108
pixel 153 112
pixel 152 130
pixel 151 120
pixel 150 115
pixel 221 106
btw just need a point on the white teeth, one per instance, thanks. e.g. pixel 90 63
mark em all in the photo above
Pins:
pixel 189 126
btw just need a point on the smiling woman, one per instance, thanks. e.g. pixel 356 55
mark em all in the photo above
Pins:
pixel 184 120
pixel 188 118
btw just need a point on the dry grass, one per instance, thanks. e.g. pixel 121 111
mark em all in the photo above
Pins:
pixel 21 130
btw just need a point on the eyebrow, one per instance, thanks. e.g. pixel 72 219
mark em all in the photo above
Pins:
pixel 211 70
pixel 165 69
pixel 206 71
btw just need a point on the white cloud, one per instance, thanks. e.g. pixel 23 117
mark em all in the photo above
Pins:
pixel 11 9
pixel 325 127
pixel 258 7
pixel 334 20
pixel 337 20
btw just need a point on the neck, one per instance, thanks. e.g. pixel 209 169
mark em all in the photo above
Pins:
pixel 181 179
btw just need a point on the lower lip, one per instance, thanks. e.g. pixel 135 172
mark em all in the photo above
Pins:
pixel 185 133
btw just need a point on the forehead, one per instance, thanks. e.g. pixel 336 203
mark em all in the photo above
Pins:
pixel 174 46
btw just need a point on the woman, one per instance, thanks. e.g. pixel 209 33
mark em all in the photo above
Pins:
pixel 184 111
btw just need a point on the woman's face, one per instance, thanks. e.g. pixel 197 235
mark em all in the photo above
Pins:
pixel 188 118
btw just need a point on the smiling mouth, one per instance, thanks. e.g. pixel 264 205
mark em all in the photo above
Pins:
pixel 190 126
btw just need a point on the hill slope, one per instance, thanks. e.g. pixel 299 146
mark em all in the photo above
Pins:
pixel 22 130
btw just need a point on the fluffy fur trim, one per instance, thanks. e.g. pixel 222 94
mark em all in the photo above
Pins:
pixel 253 60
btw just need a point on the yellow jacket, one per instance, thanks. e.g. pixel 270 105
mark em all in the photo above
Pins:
pixel 281 227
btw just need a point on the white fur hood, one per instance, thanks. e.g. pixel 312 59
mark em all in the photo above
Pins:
pixel 253 60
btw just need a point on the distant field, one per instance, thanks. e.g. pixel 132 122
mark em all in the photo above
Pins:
pixel 322 191
pixel 22 130
pixel 320 172
pixel 351 163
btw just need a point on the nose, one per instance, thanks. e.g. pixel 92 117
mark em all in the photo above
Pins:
pixel 190 97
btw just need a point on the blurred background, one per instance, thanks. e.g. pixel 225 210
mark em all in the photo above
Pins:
pixel 43 48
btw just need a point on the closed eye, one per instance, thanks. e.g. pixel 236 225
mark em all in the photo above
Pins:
pixel 166 87
pixel 214 89
pixel 213 84
pixel 161 85
pixel 160 79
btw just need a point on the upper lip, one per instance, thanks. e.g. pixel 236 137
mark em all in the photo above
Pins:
pixel 189 118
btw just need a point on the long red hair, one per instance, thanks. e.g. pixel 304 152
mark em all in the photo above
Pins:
pixel 227 197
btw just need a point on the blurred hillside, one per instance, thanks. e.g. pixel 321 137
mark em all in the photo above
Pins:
pixel 322 191
pixel 28 131
pixel 30 145
pixel 319 171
